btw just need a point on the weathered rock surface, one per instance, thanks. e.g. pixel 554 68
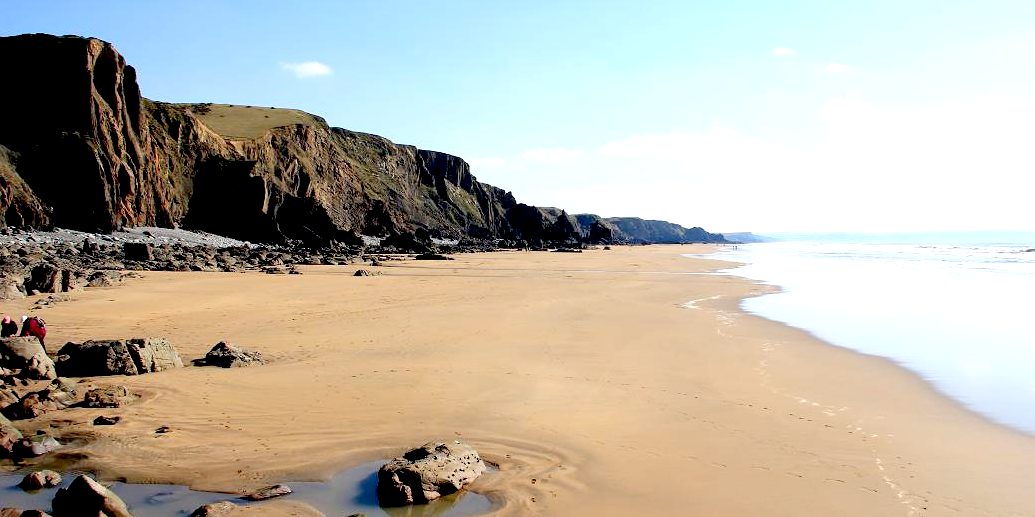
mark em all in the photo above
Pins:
pixel 228 355
pixel 27 354
pixel 60 394
pixel 107 397
pixel 86 497
pixel 268 493
pixel 9 436
pixel 427 473
pixel 117 357
pixel 40 479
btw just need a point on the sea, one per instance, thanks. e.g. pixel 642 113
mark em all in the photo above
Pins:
pixel 958 310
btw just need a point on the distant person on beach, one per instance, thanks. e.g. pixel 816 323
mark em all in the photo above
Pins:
pixel 34 326
pixel 8 327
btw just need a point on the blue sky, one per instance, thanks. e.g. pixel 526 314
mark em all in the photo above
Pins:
pixel 764 116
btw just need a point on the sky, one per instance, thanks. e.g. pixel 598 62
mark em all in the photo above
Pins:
pixel 733 115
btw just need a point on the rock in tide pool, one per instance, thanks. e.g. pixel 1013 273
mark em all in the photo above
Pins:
pixel 217 509
pixel 427 473
pixel 227 355
pixel 88 497
pixel 40 479
pixel 117 357
pixel 35 445
pixel 268 493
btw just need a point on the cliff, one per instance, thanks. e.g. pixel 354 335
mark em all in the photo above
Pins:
pixel 82 149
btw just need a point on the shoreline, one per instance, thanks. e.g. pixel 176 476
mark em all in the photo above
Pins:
pixel 776 289
pixel 576 384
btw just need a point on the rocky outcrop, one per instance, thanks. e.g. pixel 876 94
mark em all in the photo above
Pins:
pixel 28 355
pixel 107 397
pixel 427 473
pixel 9 437
pixel 117 357
pixel 84 496
pixel 82 149
pixel 593 228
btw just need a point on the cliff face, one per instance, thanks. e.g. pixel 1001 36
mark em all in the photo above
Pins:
pixel 83 150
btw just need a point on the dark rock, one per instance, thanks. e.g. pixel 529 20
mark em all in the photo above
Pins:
pixel 106 420
pixel 364 272
pixel 163 430
pixel 86 497
pixel 29 355
pixel 227 355
pixel 117 357
pixel 107 397
pixel 268 493
pixel 432 256
pixel 427 473
pixel 40 479
pixel 35 513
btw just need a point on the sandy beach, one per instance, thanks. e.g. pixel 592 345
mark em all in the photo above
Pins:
pixel 586 377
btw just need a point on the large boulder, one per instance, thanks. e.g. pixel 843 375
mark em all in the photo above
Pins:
pixel 117 357
pixel 9 436
pixel 29 355
pixel 139 251
pixel 427 473
pixel 86 497
pixel 228 355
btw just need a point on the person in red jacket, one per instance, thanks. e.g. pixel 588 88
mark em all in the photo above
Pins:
pixel 34 326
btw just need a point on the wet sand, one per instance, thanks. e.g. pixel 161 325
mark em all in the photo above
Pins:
pixel 582 375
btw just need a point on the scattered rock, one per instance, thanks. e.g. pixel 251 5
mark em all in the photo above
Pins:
pixel 40 479
pixel 365 272
pixel 432 256
pixel 268 493
pixel 427 473
pixel 138 251
pixel 34 513
pixel 217 509
pixel 36 445
pixel 274 270
pixel 106 420
pixel 60 394
pixel 86 497
pixel 227 355
pixel 117 357
pixel 107 397
pixel 163 430
pixel 28 354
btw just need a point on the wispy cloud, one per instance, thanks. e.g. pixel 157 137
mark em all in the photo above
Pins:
pixel 783 52
pixel 307 69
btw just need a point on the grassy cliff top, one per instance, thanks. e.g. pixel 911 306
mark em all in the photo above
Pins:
pixel 248 122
